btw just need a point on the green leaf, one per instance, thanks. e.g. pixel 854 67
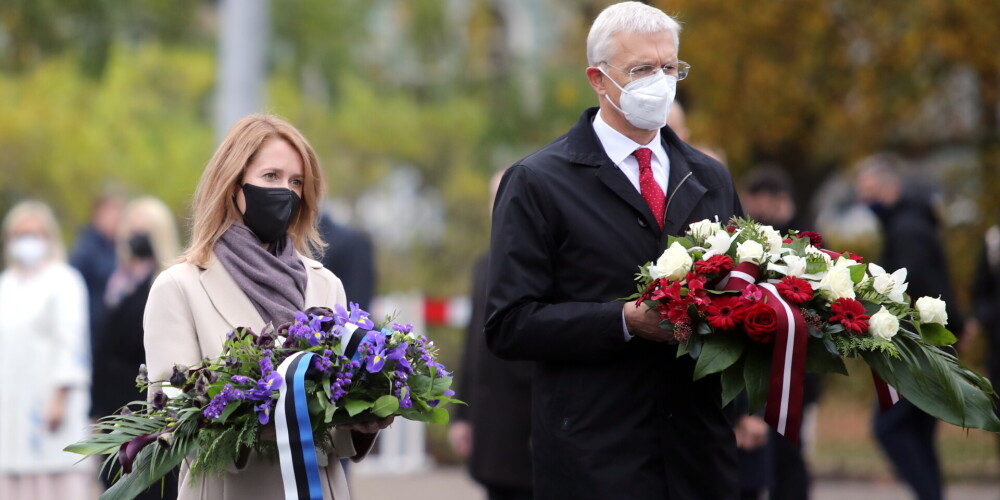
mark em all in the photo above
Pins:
pixel 757 375
pixel 937 383
pixel 857 272
pixel 385 405
pixel 682 349
pixel 694 344
pixel 937 334
pixel 230 408
pixel 732 382
pixel 439 416
pixel 355 406
pixel 150 466
pixel 719 352
pixel 703 328
pixel 820 360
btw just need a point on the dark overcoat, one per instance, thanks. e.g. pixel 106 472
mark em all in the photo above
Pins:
pixel 610 418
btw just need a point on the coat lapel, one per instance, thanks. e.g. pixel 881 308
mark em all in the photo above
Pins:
pixel 228 299
pixel 684 191
pixel 317 289
pixel 615 179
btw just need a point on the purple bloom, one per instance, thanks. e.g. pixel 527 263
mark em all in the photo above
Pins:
pixel 399 356
pixel 323 363
pixel 263 412
pixel 265 387
pixel 159 400
pixel 240 379
pixel 266 365
pixel 442 371
pixel 356 316
pixel 407 328
pixel 228 394
pixel 376 352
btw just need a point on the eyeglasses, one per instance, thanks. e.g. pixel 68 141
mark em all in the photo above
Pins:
pixel 677 69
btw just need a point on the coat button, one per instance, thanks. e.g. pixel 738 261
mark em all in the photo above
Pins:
pixel 641 221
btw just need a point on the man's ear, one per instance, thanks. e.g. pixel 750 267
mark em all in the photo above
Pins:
pixel 596 79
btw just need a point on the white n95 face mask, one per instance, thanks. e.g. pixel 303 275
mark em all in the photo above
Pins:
pixel 646 102
pixel 29 251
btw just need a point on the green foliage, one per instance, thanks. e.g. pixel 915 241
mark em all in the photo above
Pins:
pixel 853 345
pixel 719 352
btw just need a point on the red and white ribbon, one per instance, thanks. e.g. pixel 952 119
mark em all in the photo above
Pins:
pixel 887 395
pixel 788 363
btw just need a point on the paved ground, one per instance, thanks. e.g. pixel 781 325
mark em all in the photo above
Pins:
pixel 454 484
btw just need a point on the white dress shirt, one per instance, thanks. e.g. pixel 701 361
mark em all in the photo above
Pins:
pixel 620 148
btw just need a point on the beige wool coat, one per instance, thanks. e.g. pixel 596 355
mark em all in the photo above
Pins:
pixel 189 312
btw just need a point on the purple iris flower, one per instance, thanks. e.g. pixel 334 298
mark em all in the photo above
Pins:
pixel 240 379
pixel 407 328
pixel 265 363
pixel 376 352
pixel 263 412
pixel 356 316
pixel 399 356
pixel 442 371
pixel 265 386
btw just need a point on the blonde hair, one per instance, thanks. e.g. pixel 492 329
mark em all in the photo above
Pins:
pixel 214 208
pixel 41 212
pixel 151 216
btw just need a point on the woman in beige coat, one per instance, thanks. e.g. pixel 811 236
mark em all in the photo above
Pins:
pixel 254 221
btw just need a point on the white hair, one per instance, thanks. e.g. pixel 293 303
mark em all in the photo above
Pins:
pixel 628 17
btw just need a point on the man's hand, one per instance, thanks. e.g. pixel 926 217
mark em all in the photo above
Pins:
pixel 751 432
pixel 645 322
pixel 460 437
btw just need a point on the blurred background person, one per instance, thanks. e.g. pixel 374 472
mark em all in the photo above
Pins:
pixel 910 239
pixel 986 301
pixel 44 361
pixel 349 255
pixel 94 256
pixel 776 464
pixel 146 243
pixel 494 430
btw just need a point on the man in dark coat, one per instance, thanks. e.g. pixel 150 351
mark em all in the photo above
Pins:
pixel 986 301
pixel 614 411
pixel 94 257
pixel 910 239
pixel 349 255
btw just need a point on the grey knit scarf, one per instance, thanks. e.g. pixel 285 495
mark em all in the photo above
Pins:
pixel 275 283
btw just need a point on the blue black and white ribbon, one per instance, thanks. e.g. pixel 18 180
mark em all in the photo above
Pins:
pixel 352 339
pixel 296 448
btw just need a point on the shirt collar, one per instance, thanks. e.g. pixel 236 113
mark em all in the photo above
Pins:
pixel 618 147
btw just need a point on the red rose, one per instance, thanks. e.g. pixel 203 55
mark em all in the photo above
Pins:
pixel 795 289
pixel 814 238
pixel 714 265
pixel 760 322
pixel 724 312
pixel 853 256
pixel 851 314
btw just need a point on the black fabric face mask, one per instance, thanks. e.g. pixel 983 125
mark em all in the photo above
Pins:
pixel 140 246
pixel 269 211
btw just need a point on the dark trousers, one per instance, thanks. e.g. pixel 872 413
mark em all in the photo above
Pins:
pixel 507 493
pixel 906 435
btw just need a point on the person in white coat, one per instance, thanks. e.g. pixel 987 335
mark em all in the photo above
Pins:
pixel 44 362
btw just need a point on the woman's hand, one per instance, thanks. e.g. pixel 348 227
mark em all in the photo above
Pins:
pixel 370 427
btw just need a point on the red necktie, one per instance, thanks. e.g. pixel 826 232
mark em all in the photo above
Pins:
pixel 648 186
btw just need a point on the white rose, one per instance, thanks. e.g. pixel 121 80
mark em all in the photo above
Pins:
pixel 796 265
pixel 837 284
pixel 883 324
pixel 884 284
pixel 774 239
pixel 703 229
pixel 718 243
pixel 932 310
pixel 673 264
pixel 749 251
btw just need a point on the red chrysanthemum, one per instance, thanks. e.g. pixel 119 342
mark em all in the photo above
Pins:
pixel 795 289
pixel 760 322
pixel 724 312
pixel 851 314
pixel 714 265
pixel 814 238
